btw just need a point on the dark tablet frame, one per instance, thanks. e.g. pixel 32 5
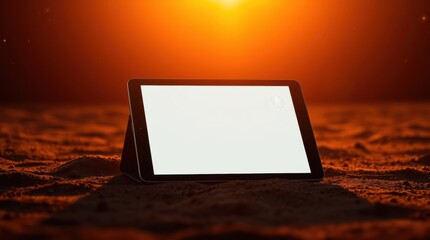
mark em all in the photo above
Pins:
pixel 141 141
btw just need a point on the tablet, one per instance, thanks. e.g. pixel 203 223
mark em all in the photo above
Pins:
pixel 215 130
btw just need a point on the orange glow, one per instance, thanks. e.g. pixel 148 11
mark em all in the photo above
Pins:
pixel 213 38
pixel 278 39
pixel 337 49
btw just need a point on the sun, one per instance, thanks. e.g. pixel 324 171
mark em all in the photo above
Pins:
pixel 228 3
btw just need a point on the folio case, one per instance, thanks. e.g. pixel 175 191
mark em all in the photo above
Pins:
pixel 128 164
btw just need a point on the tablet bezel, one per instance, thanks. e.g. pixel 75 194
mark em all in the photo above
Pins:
pixel 143 152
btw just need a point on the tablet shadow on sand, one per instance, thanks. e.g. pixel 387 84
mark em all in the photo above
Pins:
pixel 165 208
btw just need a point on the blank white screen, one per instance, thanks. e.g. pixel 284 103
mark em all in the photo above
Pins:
pixel 223 129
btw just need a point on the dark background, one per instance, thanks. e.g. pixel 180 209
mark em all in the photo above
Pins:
pixel 340 51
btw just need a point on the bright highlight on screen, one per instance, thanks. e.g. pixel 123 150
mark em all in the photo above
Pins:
pixel 223 130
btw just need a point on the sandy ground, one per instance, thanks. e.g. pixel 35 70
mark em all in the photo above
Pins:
pixel 59 179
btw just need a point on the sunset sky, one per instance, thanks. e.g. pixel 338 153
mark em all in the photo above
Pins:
pixel 85 51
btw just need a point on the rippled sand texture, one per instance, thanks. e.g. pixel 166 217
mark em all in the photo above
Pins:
pixel 59 178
